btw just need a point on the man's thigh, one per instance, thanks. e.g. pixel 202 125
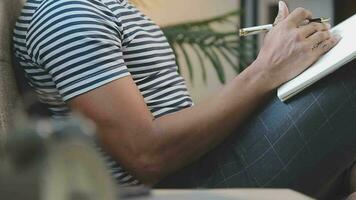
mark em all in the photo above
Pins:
pixel 308 140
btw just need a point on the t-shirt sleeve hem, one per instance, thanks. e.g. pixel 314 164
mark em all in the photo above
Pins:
pixel 77 93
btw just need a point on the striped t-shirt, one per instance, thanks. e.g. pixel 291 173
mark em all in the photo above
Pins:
pixel 70 47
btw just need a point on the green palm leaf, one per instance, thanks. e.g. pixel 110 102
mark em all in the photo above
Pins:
pixel 217 47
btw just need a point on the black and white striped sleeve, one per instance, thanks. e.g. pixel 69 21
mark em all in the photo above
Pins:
pixel 78 43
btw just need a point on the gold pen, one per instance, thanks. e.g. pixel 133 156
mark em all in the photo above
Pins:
pixel 265 28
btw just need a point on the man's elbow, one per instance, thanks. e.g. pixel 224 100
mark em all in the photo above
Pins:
pixel 149 169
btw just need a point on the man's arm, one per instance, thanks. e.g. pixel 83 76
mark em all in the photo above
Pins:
pixel 153 148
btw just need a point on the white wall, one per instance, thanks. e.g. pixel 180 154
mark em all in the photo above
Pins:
pixel 166 12
pixel 178 11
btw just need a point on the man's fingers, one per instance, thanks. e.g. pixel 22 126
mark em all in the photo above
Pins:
pixel 318 37
pixel 299 15
pixel 326 45
pixel 282 13
pixel 312 28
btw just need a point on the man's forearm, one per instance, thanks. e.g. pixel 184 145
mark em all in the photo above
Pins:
pixel 180 138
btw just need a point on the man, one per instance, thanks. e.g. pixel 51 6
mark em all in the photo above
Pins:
pixel 106 60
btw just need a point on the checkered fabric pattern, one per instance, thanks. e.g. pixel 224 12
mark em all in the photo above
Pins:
pixel 284 142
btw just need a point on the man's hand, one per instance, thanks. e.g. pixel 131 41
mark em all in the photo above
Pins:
pixel 290 47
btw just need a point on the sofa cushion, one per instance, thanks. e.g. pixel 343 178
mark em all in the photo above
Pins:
pixel 9 9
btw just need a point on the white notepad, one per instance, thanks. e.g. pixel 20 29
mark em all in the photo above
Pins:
pixel 342 53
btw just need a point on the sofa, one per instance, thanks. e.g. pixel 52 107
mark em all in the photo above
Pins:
pixel 9 9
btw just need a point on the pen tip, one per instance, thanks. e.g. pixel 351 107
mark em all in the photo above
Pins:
pixel 325 19
pixel 241 32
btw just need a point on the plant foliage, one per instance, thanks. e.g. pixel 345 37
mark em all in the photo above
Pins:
pixel 210 45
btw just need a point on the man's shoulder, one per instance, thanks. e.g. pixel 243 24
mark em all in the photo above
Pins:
pixel 48 6
pixel 52 13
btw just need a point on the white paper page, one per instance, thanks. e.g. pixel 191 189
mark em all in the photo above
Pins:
pixel 342 53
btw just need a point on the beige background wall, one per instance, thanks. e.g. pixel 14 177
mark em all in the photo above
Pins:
pixel 166 12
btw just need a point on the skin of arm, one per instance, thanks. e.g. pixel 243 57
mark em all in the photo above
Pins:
pixel 151 148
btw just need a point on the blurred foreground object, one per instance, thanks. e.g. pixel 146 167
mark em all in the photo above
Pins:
pixel 54 161
pixel 227 194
